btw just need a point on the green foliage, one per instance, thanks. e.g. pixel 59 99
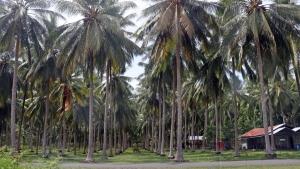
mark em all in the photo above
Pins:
pixel 13 160
pixel 9 159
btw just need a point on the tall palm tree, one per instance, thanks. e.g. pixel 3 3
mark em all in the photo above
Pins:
pixel 179 19
pixel 23 22
pixel 261 26
pixel 84 40
pixel 45 72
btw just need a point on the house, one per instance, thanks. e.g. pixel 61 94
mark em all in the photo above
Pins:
pixel 197 140
pixel 285 137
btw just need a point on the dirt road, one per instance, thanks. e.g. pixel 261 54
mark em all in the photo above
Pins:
pixel 185 164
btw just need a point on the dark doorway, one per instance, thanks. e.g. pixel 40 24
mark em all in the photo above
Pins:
pixel 291 142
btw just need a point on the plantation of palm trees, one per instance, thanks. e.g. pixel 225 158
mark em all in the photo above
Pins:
pixel 211 69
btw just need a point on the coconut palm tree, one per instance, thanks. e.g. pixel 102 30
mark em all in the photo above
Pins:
pixel 23 22
pixel 44 72
pixel 85 39
pixel 180 19
pixel 262 26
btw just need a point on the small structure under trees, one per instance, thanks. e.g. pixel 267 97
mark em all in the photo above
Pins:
pixel 286 137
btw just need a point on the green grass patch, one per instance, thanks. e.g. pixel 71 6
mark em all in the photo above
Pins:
pixel 147 157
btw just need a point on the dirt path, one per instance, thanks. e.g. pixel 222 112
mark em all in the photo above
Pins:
pixel 185 164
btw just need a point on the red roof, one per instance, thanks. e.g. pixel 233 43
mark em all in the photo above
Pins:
pixel 256 132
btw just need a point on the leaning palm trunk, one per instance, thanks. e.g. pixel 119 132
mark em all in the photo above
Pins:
pixel 14 98
pixel 269 152
pixel 179 155
pixel 44 152
pixel 236 135
pixel 162 149
pixel 171 153
pixel 271 117
pixel 89 157
pixel 205 128
pixel 105 113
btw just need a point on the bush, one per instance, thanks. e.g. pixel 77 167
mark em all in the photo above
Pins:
pixel 13 160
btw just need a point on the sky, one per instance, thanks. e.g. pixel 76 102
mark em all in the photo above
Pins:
pixel 135 70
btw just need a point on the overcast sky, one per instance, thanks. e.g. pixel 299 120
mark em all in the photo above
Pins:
pixel 135 70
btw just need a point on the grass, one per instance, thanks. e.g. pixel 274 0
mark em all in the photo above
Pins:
pixel 147 157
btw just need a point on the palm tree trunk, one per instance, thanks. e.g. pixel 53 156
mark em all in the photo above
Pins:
pixel 119 140
pixel 193 123
pixel 205 128
pixel 63 130
pixel 94 138
pixel 271 117
pixel 30 136
pixel 104 156
pixel 75 137
pixel 50 137
pixel 179 155
pixel 98 137
pixel 69 139
pixel 14 98
pixel 6 136
pixel 60 133
pixel 269 152
pixel 84 140
pixel 115 129
pixel 159 122
pixel 147 135
pixel 217 126
pixel 236 134
pixel 37 142
pixel 153 135
pixel 124 140
pixel 171 153
pixel 21 120
pixel 89 157
pixel 44 152
pixel 110 114
pixel 185 131
pixel 162 149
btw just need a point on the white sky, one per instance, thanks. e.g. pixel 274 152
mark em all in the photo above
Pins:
pixel 135 70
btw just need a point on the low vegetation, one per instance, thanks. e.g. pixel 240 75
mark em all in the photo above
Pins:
pixel 147 157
